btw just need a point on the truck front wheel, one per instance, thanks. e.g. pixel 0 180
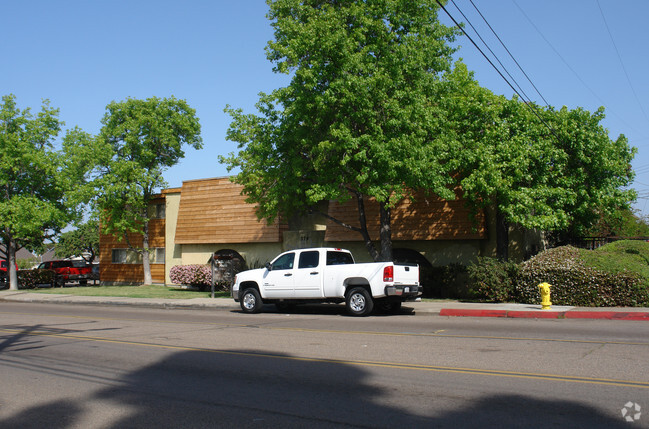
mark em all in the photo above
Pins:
pixel 359 302
pixel 250 301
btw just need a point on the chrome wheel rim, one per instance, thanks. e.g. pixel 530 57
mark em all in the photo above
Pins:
pixel 249 301
pixel 357 302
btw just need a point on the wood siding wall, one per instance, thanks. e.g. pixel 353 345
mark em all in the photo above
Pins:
pixel 131 273
pixel 213 211
pixel 426 218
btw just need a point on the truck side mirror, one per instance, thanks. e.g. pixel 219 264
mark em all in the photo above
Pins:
pixel 268 266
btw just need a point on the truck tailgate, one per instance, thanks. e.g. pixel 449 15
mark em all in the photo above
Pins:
pixel 406 274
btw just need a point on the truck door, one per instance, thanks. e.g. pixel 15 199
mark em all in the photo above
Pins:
pixel 278 282
pixel 308 276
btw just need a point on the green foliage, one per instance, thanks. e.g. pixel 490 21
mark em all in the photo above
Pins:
pixel 579 277
pixel 493 280
pixel 361 116
pixel 448 281
pixel 79 242
pixel 139 139
pixel 561 172
pixel 621 223
pixel 30 279
pixel 34 178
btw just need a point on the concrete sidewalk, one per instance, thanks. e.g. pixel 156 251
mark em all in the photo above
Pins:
pixel 447 308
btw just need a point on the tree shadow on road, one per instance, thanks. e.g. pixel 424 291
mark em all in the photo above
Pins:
pixel 252 388
pixel 255 389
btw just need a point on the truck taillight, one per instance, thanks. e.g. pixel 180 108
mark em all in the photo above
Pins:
pixel 388 273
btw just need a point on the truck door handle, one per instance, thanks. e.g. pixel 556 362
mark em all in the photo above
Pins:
pixel 288 275
pixel 314 273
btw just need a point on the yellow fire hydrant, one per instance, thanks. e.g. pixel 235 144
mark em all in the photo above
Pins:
pixel 545 296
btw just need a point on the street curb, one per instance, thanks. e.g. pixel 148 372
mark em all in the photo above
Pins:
pixel 547 314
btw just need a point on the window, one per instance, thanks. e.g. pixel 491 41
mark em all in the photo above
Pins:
pixel 157 211
pixel 309 259
pixel 159 257
pixel 284 262
pixel 128 256
pixel 339 258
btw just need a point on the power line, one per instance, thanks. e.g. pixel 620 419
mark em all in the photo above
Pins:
pixel 603 103
pixel 510 54
pixel 619 57
pixel 527 103
pixel 492 52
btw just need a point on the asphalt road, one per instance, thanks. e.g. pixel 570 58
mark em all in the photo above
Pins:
pixel 115 367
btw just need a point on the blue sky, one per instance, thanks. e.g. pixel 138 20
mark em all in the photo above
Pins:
pixel 83 54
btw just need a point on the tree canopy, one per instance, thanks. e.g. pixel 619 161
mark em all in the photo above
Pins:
pixel 376 109
pixel 360 117
pixel 139 139
pixel 553 170
pixel 33 179
pixel 82 241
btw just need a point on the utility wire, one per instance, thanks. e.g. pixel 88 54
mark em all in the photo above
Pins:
pixel 603 103
pixel 527 103
pixel 510 54
pixel 619 57
pixel 492 52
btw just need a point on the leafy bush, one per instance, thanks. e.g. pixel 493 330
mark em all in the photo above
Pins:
pixel 192 275
pixel 492 280
pixel 29 279
pixel 575 282
pixel 449 281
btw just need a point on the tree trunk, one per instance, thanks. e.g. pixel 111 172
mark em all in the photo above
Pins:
pixel 502 236
pixel 11 265
pixel 362 220
pixel 386 233
pixel 146 262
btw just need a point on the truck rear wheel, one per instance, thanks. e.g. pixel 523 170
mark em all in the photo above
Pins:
pixel 359 302
pixel 250 301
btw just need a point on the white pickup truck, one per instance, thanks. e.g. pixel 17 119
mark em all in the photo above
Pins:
pixel 326 275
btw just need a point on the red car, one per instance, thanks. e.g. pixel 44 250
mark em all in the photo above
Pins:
pixel 68 270
pixel 3 271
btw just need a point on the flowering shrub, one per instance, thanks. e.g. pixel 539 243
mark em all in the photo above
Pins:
pixel 192 275
pixel 575 283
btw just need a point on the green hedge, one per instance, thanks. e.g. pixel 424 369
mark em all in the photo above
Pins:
pixel 615 275
pixel 493 280
pixel 576 283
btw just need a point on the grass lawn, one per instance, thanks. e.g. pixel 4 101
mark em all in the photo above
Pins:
pixel 153 291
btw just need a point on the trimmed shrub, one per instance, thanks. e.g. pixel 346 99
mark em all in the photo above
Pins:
pixel 30 279
pixel 492 280
pixel 448 281
pixel 575 283
pixel 192 275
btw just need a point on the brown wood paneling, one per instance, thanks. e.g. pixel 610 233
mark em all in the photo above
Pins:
pixel 130 273
pixel 214 211
pixel 421 218
pixel 134 273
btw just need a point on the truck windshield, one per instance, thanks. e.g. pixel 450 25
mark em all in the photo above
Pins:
pixel 339 258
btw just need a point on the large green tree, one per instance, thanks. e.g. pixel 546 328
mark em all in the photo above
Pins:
pixel 33 180
pixel 82 241
pixel 139 139
pixel 360 118
pixel 553 170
